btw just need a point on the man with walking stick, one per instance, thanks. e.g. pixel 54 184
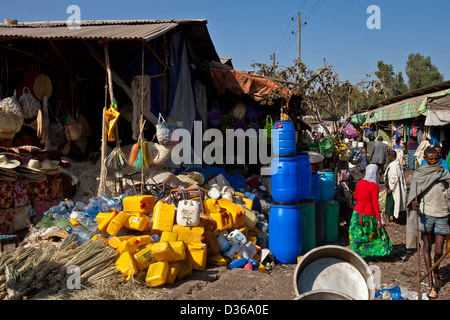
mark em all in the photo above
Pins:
pixel 431 200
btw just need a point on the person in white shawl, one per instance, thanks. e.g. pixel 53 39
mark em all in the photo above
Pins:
pixel 395 185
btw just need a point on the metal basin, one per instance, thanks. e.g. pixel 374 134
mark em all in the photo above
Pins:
pixel 337 269
pixel 323 295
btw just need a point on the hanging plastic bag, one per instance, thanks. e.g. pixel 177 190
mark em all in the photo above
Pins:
pixel 163 133
pixel 268 129
pixel 112 116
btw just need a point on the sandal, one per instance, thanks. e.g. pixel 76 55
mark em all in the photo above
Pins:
pixel 432 293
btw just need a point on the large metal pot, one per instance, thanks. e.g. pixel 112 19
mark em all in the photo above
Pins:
pixel 337 269
pixel 316 160
pixel 323 295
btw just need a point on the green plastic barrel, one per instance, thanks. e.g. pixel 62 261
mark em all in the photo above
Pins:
pixel 308 213
pixel 320 223
pixel 332 221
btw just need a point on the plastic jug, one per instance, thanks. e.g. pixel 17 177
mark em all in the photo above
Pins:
pixel 169 251
pixel 105 240
pixel 236 211
pixel 174 269
pixel 185 270
pixel 224 244
pixel 139 204
pixel 208 223
pixel 117 223
pixel 248 250
pixel 127 265
pixel 238 263
pixel 116 241
pixel 211 206
pixel 144 257
pixel 238 237
pixel 196 255
pixel 188 234
pixel 137 221
pixel 188 213
pixel 232 251
pixel 104 218
pixel 157 273
pixel 163 217
pixel 129 245
pixel 223 220
pixel 168 236
pixel 212 244
pixel 250 218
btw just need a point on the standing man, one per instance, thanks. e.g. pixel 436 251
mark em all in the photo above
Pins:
pixel 432 205
pixel 378 155
pixel 395 186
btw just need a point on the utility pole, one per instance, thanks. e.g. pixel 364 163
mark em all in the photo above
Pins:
pixel 299 34
pixel 273 61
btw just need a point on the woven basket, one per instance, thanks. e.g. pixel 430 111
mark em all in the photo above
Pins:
pixel 10 124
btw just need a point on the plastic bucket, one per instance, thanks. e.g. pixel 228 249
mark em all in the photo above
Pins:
pixel 285 232
pixel 332 221
pixel 304 175
pixel 284 179
pixel 320 224
pixel 307 211
pixel 284 138
pixel 334 268
pixel 326 182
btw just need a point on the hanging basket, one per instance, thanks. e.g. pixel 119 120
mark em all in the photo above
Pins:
pixel 326 146
pixel 358 119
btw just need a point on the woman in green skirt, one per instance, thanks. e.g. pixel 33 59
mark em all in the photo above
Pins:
pixel 367 235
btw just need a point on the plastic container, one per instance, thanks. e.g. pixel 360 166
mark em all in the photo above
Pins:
pixel 144 257
pixel 332 221
pixel 169 251
pixel 320 223
pixel 308 213
pixel 263 239
pixel 96 236
pixel 212 244
pixel 304 175
pixel 188 213
pixel 284 180
pixel 232 251
pixel 223 220
pixel 248 250
pixel 127 265
pixel 174 269
pixel 196 254
pixel 236 211
pixel 81 234
pixel 250 218
pixel 129 245
pixel 188 234
pixel 116 241
pixel 139 204
pixel 163 217
pixel 238 237
pixel 137 221
pixel 117 223
pixel 285 232
pixel 157 273
pixel 284 138
pixel 224 244
pixel 315 186
pixel 326 183
pixel 238 263
pixel 211 206
pixel 168 236
pixel 208 223
pixel 185 270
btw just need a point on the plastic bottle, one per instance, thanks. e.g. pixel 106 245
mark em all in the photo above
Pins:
pixel 107 200
pixel 95 202
pixel 80 206
pixel 156 238
pixel 224 243
pixel 59 210
pixel 81 234
pixel 69 204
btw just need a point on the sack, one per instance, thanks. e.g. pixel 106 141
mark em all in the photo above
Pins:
pixel 162 131
pixel 159 153
pixel 339 146
pixel 215 116
pixel 268 129
pixel 30 104
pixel 238 111
pixel 11 105
pixel 357 119
pixel 350 131
pixel 326 146
pixel 73 130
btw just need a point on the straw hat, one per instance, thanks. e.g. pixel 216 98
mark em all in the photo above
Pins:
pixel 8 164
pixel 49 165
pixel 34 165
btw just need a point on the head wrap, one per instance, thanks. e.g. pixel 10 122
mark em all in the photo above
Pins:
pixel 345 175
pixel 372 173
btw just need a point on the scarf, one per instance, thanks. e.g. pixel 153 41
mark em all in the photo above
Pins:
pixel 371 173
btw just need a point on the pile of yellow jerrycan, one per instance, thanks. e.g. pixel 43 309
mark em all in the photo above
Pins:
pixel 170 240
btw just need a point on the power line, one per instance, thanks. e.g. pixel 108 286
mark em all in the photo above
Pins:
pixel 284 34
pixel 313 11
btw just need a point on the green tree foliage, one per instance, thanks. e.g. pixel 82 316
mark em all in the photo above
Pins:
pixel 393 84
pixel 421 72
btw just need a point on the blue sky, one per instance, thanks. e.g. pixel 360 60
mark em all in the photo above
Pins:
pixel 250 31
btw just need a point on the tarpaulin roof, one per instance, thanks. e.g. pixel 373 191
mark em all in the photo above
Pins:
pixel 238 83
pixel 405 109
pixel 438 112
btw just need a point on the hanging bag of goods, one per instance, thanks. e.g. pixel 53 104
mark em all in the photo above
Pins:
pixel 358 119
pixel 226 123
pixel 163 133
pixel 11 105
pixel 215 116
pixel 339 145
pixel 268 129
pixel 350 131
pixel 72 128
pixel 326 146
pixel 29 103
pixel 238 111
pixel 111 116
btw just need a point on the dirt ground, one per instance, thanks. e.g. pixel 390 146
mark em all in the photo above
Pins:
pixel 220 283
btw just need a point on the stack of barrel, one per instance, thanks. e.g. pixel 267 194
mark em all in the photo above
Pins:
pixel 291 187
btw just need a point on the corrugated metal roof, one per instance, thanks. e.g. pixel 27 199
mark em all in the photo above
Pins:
pixel 94 30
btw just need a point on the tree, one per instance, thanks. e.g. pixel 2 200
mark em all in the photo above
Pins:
pixel 393 84
pixel 421 72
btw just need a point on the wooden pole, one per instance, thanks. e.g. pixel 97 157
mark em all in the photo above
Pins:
pixel 419 295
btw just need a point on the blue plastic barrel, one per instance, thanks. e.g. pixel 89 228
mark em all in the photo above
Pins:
pixel 284 179
pixel 285 232
pixel 284 138
pixel 304 175
pixel 315 186
pixel 326 185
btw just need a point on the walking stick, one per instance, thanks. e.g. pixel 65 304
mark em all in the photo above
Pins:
pixel 418 253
